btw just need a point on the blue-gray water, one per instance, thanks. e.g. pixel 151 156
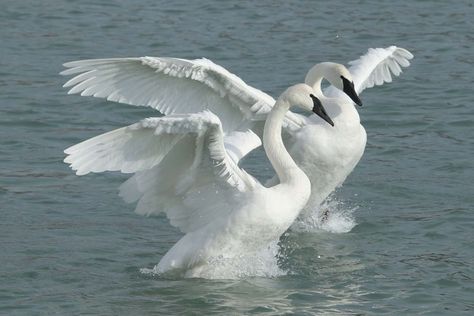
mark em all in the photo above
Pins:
pixel 69 245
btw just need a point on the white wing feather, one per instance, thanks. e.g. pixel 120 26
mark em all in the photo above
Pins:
pixel 173 85
pixel 179 161
pixel 375 68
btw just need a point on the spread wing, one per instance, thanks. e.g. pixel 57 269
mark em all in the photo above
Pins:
pixel 375 68
pixel 180 166
pixel 173 85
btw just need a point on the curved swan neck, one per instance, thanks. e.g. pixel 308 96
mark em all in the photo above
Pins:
pixel 317 74
pixel 285 167
pixel 317 87
pixel 336 108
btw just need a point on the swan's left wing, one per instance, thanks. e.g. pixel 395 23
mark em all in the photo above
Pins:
pixel 180 163
pixel 172 86
pixel 375 68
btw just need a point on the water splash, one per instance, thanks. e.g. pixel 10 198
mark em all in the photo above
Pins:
pixel 261 264
pixel 332 215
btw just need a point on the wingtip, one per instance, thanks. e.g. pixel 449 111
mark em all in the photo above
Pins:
pixel 401 51
pixel 81 173
pixel 67 160
pixel 405 53
pixel 392 47
pixel 70 64
pixel 77 171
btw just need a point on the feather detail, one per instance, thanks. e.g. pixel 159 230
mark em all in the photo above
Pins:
pixel 175 158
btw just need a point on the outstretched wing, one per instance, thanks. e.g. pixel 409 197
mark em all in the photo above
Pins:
pixel 173 85
pixel 375 68
pixel 180 163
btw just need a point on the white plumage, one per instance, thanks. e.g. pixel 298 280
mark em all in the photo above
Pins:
pixel 172 85
pixel 181 168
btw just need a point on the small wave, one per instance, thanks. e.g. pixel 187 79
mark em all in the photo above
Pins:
pixel 332 215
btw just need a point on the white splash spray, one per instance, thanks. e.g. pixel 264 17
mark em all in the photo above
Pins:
pixel 261 264
pixel 332 216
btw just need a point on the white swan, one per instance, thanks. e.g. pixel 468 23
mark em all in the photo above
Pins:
pixel 180 164
pixel 173 85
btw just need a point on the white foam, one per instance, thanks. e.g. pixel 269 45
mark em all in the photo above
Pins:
pixel 332 215
pixel 261 264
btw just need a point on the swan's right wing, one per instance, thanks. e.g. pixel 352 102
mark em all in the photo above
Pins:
pixel 375 68
pixel 173 85
pixel 180 163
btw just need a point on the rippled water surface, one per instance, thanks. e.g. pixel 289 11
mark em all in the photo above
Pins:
pixel 69 245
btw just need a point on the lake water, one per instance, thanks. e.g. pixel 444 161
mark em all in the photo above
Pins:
pixel 69 245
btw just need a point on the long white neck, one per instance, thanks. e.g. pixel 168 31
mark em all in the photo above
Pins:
pixel 315 77
pixel 340 112
pixel 285 167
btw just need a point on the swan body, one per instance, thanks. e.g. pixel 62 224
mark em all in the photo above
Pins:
pixel 181 168
pixel 171 85
pixel 326 155
pixel 329 157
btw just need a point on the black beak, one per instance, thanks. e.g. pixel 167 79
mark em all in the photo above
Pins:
pixel 350 91
pixel 319 110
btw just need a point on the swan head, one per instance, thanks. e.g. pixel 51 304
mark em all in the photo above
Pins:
pixel 337 75
pixel 303 96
